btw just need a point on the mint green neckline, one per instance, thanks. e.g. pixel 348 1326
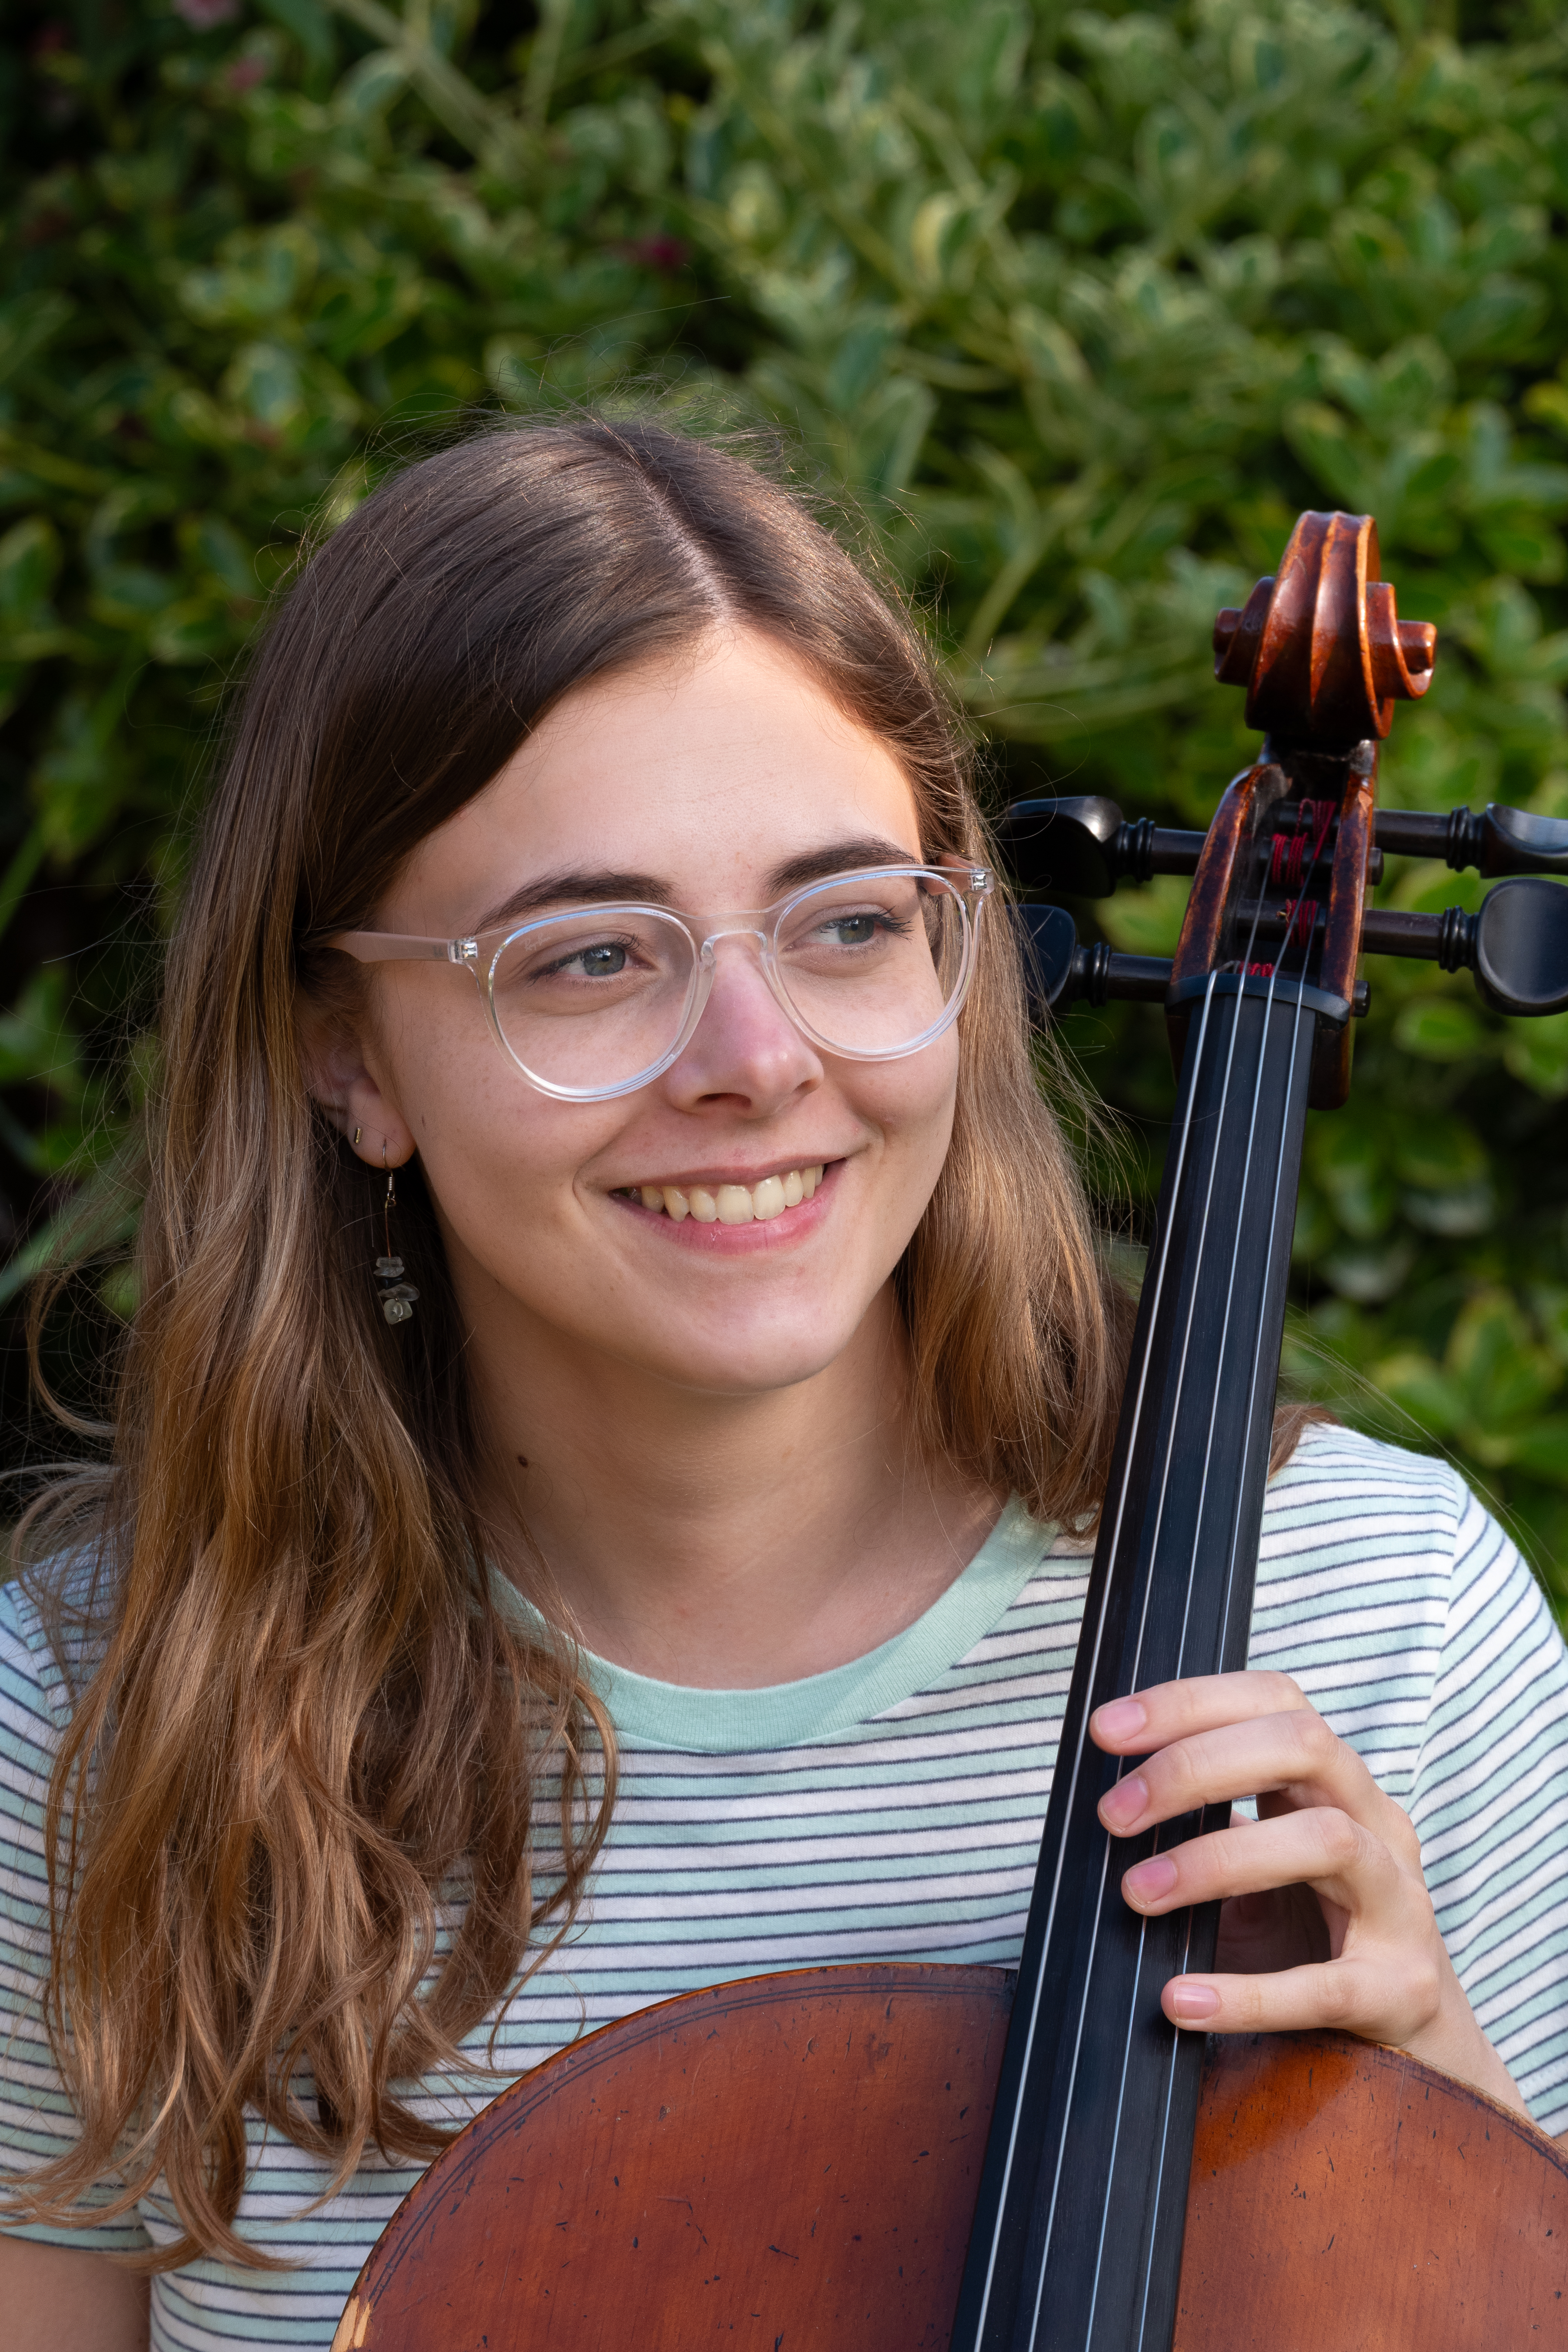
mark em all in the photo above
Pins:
pixel 790 1715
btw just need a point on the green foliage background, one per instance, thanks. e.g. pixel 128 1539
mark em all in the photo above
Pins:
pixel 1081 304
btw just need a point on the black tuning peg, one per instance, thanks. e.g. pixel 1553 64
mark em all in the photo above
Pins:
pixel 1060 972
pixel 1519 944
pixel 1498 841
pixel 1050 944
pixel 1083 848
pixel 1065 844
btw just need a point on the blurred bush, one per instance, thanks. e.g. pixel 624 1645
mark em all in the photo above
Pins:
pixel 1080 305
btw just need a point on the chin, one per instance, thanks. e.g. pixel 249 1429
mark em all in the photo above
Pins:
pixel 718 1367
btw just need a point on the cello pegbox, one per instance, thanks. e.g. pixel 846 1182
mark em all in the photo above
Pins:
pixel 1319 647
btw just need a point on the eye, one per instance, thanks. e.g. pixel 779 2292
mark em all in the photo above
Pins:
pixel 606 961
pixel 851 931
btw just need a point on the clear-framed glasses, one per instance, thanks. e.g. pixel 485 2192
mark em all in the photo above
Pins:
pixel 597 1001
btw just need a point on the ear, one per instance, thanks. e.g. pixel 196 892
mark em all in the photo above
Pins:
pixel 340 1078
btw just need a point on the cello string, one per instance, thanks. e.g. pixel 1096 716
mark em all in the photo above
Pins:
pixel 1082 1733
pixel 1228 1597
pixel 1099 1913
pixel 1139 1400
pixel 1135 1996
pixel 1165 2134
pixel 1273 1229
pixel 1038 1989
pixel 1247 1161
pixel 1160 2171
pixel 1275 975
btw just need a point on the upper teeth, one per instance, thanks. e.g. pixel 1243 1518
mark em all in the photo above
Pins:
pixel 733 1205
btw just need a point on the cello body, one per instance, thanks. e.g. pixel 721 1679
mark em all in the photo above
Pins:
pixel 791 2164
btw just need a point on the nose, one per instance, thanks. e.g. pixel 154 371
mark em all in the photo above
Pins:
pixel 745 1050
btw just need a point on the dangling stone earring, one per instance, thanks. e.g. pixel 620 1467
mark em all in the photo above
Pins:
pixel 397 1296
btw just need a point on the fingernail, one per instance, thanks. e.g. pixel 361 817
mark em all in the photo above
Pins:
pixel 1190 2000
pixel 1122 1805
pixel 1119 1718
pixel 1147 1881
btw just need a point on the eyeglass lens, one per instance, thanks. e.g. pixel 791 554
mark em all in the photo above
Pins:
pixel 869 964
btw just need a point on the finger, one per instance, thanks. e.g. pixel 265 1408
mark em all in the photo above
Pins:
pixel 1297 1753
pixel 1166 1711
pixel 1355 1997
pixel 1324 1849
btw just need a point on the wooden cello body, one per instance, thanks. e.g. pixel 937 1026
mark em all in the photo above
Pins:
pixel 900 2157
pixel 790 2164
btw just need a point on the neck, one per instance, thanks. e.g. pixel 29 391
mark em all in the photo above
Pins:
pixel 727 1541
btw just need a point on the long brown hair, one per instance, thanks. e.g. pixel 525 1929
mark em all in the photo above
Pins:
pixel 300 1720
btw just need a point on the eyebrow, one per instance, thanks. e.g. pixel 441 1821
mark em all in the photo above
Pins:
pixel 584 889
pixel 556 890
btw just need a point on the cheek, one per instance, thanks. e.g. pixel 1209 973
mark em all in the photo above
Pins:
pixel 499 1158
pixel 912 1102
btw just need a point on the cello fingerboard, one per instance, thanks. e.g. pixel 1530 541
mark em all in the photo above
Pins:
pixel 1077 2235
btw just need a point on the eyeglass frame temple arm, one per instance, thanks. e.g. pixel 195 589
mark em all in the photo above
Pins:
pixel 403 946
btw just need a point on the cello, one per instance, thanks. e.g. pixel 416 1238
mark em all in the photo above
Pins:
pixel 902 2156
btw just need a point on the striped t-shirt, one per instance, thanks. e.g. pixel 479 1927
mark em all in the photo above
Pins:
pixel 892 1809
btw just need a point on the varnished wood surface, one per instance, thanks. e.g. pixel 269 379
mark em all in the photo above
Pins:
pixel 778 2163
pixel 790 2163
pixel 1345 2196
pixel 1341 938
pixel 1319 645
pixel 1220 877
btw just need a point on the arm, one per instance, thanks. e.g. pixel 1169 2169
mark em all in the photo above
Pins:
pixel 58 2300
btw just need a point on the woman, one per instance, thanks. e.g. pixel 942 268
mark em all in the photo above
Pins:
pixel 604 1456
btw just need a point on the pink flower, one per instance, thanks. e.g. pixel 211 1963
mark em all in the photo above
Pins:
pixel 244 73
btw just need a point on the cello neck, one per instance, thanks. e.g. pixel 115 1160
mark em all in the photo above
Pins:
pixel 1078 2233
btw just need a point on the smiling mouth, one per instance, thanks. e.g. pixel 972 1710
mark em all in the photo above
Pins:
pixel 729 1204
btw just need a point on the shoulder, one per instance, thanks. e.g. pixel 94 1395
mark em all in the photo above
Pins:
pixel 43 1661
pixel 1351 1522
pixel 35 1698
pixel 1343 1490
pixel 1394 1598
pixel 1347 1511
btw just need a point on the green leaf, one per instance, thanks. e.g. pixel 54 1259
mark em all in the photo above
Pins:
pixel 1148 920
pixel 311 24
pixel 1495 1360
pixel 29 566
pixel 1441 1029
pixel 1422 1390
pixel 1368 1275
pixel 37 1042
pixel 1542 1448
pixel 1442 1155
pixel 1350 1163
pixel 29 325
pixel 1536 1053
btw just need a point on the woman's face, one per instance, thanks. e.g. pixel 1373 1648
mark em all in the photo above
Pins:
pixel 712 777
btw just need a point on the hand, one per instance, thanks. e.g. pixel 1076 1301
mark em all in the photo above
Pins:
pixel 1326 1915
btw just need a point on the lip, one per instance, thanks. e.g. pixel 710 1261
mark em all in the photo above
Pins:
pixel 719 1240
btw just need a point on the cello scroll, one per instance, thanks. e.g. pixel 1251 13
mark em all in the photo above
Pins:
pixel 1318 647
